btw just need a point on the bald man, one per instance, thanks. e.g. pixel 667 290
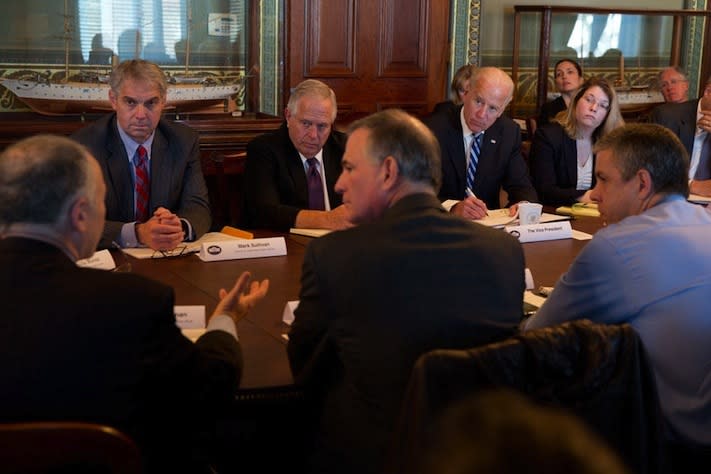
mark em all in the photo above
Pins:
pixel 499 162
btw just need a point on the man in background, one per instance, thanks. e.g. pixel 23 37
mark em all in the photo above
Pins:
pixel 409 278
pixel 481 148
pixel 156 195
pixel 90 345
pixel 691 122
pixel 650 267
pixel 290 173
pixel 674 84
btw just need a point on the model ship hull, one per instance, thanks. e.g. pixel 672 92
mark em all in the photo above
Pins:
pixel 77 97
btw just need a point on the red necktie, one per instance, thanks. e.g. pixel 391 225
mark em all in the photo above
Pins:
pixel 315 186
pixel 143 184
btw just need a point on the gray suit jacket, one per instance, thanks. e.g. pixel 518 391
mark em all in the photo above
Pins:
pixel 176 176
pixel 680 119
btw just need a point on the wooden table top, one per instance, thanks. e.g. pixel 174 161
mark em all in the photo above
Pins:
pixel 261 331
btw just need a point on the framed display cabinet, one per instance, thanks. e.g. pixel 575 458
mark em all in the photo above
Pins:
pixel 203 44
pixel 627 46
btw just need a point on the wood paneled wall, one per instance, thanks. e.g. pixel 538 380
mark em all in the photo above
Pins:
pixel 375 54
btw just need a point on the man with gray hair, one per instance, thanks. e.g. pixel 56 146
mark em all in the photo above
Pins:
pixel 673 84
pixel 650 267
pixel 691 122
pixel 91 345
pixel 156 195
pixel 290 173
pixel 409 278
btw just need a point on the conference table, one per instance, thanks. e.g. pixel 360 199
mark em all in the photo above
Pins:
pixel 262 331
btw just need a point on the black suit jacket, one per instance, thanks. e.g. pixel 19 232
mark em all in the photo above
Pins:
pixel 177 182
pixel 375 297
pixel 550 109
pixel 680 119
pixel 91 345
pixel 275 180
pixel 554 166
pixel 500 163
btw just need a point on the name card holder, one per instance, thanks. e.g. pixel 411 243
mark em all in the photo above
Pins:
pixel 239 249
pixel 540 232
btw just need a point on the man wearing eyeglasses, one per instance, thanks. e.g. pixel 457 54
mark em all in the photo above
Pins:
pixel 156 194
pixel 691 122
pixel 674 85
pixel 481 148
pixel 291 173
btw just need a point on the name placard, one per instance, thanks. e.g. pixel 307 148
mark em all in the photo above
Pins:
pixel 101 260
pixel 541 232
pixel 190 316
pixel 237 249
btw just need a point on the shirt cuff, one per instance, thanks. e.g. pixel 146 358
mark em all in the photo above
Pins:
pixel 223 322
pixel 188 229
pixel 128 236
pixel 449 204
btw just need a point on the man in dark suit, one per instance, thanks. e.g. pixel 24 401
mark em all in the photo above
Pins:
pixel 691 122
pixel 281 165
pixel 90 345
pixel 410 278
pixel 498 163
pixel 177 207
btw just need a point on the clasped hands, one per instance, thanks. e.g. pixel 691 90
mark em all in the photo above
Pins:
pixel 163 231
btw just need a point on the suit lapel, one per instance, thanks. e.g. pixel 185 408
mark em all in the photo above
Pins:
pixel 687 127
pixel 160 167
pixel 571 165
pixel 295 167
pixel 119 179
pixel 455 147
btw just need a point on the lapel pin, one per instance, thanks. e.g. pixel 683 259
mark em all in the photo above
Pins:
pixel 493 141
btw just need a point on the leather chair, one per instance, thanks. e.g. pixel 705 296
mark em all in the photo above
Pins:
pixel 66 447
pixel 224 176
pixel 598 372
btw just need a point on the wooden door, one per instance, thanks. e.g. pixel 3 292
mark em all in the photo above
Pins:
pixel 375 54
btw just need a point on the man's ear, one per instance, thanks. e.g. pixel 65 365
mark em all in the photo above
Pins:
pixel 646 185
pixel 79 214
pixel 390 172
pixel 113 99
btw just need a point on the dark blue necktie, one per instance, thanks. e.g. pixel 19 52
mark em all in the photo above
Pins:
pixel 474 152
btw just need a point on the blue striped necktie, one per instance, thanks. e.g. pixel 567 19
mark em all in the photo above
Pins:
pixel 474 152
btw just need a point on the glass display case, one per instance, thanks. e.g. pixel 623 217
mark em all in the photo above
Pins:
pixel 55 55
pixel 629 47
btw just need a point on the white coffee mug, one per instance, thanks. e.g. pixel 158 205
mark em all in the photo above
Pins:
pixel 529 213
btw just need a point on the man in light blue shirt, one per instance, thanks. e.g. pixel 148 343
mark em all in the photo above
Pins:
pixel 651 268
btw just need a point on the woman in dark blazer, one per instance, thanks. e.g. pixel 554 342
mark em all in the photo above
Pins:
pixel 568 78
pixel 562 163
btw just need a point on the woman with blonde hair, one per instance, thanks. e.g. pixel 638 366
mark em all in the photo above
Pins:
pixel 562 162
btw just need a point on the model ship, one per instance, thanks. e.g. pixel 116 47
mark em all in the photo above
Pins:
pixel 59 98
pixel 89 92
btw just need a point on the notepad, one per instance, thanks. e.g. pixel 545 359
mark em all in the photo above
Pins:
pixel 579 209
pixel 309 232
pixel 500 218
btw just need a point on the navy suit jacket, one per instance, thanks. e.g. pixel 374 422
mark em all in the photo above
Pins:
pixel 554 166
pixel 377 296
pixel 177 182
pixel 500 164
pixel 275 180
pixel 680 119
pixel 90 345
